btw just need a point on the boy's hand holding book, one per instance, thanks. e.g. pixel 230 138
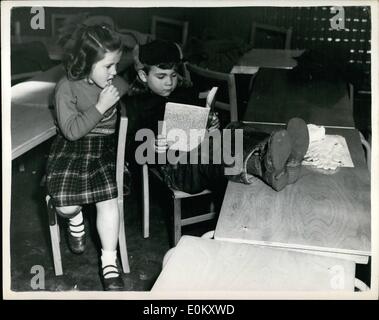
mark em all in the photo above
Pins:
pixel 214 122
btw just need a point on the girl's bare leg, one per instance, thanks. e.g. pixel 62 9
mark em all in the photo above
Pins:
pixel 108 223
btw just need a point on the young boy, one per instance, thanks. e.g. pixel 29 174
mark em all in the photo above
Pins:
pixel 274 158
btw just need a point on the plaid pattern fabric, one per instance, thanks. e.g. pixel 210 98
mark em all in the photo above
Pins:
pixel 82 171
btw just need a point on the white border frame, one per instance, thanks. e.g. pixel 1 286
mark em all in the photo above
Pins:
pixel 7 163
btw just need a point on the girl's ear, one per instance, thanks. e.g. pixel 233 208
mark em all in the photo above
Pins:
pixel 142 75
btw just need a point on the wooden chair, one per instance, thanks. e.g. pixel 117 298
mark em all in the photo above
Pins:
pixel 130 38
pixel 204 79
pixel 367 147
pixel 100 20
pixel 269 36
pixel 53 221
pixel 164 28
pixel 366 144
pixel 177 197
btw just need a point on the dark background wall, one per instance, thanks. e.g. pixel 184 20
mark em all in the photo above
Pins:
pixel 311 25
pixel 131 18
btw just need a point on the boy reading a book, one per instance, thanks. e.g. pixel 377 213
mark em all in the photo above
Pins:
pixel 274 158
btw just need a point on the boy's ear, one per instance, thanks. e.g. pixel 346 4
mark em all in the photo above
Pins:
pixel 142 75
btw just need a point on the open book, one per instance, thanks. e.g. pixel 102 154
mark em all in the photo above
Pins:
pixel 184 125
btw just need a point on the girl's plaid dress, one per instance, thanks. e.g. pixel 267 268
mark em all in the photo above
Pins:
pixel 81 167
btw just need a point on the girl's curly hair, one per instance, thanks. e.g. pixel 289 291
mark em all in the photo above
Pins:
pixel 89 45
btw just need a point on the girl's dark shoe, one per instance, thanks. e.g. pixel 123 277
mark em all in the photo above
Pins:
pixel 76 244
pixel 298 132
pixel 114 283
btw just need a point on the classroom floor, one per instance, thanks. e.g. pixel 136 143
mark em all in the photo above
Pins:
pixel 30 240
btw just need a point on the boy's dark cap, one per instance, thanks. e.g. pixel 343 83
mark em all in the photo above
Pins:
pixel 159 51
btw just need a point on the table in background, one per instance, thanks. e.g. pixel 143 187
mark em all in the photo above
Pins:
pixel 198 264
pixel 254 59
pixel 326 214
pixel 246 69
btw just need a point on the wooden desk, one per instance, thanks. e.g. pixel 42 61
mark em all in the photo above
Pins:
pixel 30 126
pixel 32 121
pixel 328 214
pixel 251 61
pixel 199 264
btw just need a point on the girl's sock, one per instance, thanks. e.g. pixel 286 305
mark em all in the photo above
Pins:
pixel 108 263
pixel 76 225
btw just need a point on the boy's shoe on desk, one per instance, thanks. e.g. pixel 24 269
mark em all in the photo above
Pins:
pixel 274 162
pixel 298 132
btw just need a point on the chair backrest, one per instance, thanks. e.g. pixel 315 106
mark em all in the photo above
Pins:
pixel 169 29
pixel 205 79
pixel 120 161
pixel 130 38
pixel 102 20
pixel 270 37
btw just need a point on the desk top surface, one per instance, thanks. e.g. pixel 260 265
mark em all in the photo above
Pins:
pixel 322 212
pixel 32 121
pixel 39 123
pixel 30 126
pixel 209 265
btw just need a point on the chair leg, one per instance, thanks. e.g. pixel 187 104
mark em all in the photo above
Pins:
pixel 212 207
pixel 55 245
pixel 367 148
pixel 55 238
pixel 251 83
pixel 122 239
pixel 145 201
pixel 177 220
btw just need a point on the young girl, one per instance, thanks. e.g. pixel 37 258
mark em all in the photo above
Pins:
pixel 81 166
